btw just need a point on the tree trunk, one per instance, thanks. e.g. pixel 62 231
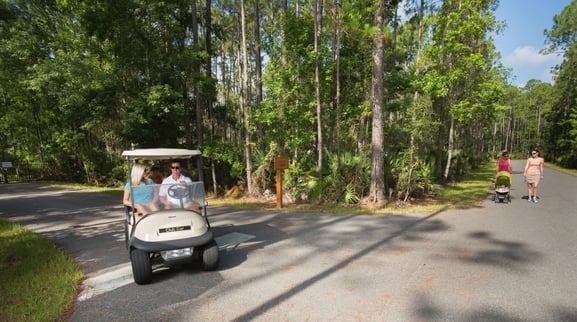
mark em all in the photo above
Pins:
pixel 257 64
pixel 208 48
pixel 197 93
pixel 413 148
pixel 377 189
pixel 450 149
pixel 283 8
pixel 317 36
pixel 245 110
pixel 336 53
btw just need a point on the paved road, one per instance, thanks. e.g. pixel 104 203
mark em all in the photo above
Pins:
pixel 497 262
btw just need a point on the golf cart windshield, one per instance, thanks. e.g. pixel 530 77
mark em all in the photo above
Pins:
pixel 174 195
pixel 188 195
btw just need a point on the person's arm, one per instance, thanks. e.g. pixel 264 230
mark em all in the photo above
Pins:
pixel 164 201
pixel 526 167
pixel 162 191
pixel 541 167
pixel 510 166
pixel 126 199
pixel 196 207
pixel 154 191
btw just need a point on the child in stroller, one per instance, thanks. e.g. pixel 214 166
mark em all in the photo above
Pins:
pixel 502 187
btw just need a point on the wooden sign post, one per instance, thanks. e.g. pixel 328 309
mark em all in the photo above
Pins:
pixel 280 163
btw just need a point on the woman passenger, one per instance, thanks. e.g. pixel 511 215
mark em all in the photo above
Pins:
pixel 145 198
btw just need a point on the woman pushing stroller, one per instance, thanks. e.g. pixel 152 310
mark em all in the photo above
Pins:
pixel 504 163
pixel 503 178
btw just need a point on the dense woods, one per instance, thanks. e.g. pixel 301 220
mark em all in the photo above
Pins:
pixel 373 101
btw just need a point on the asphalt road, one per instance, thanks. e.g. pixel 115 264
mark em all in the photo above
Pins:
pixel 497 262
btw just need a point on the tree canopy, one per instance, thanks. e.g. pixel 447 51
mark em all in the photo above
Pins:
pixel 373 101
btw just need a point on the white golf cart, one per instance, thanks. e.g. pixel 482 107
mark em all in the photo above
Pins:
pixel 171 235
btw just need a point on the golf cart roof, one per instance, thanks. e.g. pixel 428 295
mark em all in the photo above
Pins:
pixel 159 154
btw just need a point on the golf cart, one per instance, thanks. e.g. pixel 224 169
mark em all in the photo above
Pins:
pixel 168 236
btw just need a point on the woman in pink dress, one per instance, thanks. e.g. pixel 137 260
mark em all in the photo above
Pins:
pixel 533 174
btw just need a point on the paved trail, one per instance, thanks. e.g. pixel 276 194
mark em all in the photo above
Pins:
pixel 497 262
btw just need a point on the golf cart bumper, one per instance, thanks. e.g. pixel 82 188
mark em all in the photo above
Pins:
pixel 158 246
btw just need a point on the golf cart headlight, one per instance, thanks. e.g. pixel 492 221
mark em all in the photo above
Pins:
pixel 176 253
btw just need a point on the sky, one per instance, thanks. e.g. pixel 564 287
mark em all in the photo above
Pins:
pixel 520 42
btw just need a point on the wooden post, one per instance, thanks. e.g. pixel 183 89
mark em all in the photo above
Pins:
pixel 280 163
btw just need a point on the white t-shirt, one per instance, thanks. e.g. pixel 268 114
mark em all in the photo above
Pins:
pixel 167 182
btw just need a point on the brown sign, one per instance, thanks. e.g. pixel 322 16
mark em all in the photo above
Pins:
pixel 280 163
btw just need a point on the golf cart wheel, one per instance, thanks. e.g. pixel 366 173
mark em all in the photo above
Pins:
pixel 210 256
pixel 141 266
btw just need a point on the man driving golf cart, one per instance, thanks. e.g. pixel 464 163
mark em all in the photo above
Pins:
pixel 173 192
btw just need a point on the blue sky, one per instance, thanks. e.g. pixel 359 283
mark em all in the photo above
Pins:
pixel 522 39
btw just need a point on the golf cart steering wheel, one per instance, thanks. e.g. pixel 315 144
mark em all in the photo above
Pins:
pixel 178 191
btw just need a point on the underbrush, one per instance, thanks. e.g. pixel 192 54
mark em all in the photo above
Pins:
pixel 468 192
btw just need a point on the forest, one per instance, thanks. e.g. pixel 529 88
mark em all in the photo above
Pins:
pixel 372 101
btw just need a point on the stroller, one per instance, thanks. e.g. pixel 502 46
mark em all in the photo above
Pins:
pixel 502 187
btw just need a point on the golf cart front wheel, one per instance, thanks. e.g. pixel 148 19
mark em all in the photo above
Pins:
pixel 141 266
pixel 210 256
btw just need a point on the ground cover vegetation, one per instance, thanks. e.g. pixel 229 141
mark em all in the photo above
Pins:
pixel 373 102
pixel 38 281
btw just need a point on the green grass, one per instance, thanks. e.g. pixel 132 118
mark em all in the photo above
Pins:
pixel 84 187
pixel 472 190
pixel 38 281
pixel 572 172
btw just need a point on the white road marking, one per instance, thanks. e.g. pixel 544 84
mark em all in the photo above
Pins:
pixel 111 278
pixel 102 282
pixel 232 240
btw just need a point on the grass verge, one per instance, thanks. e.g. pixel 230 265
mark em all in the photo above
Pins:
pixel 572 172
pixel 38 281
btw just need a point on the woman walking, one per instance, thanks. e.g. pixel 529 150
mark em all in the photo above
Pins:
pixel 533 174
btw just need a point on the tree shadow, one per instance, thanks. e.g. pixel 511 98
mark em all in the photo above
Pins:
pixel 497 252
pixel 426 309
pixel 422 225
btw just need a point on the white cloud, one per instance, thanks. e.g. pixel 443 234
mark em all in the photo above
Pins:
pixel 547 75
pixel 528 63
pixel 528 56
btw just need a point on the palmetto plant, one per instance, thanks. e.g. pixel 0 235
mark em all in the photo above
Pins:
pixel 345 181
